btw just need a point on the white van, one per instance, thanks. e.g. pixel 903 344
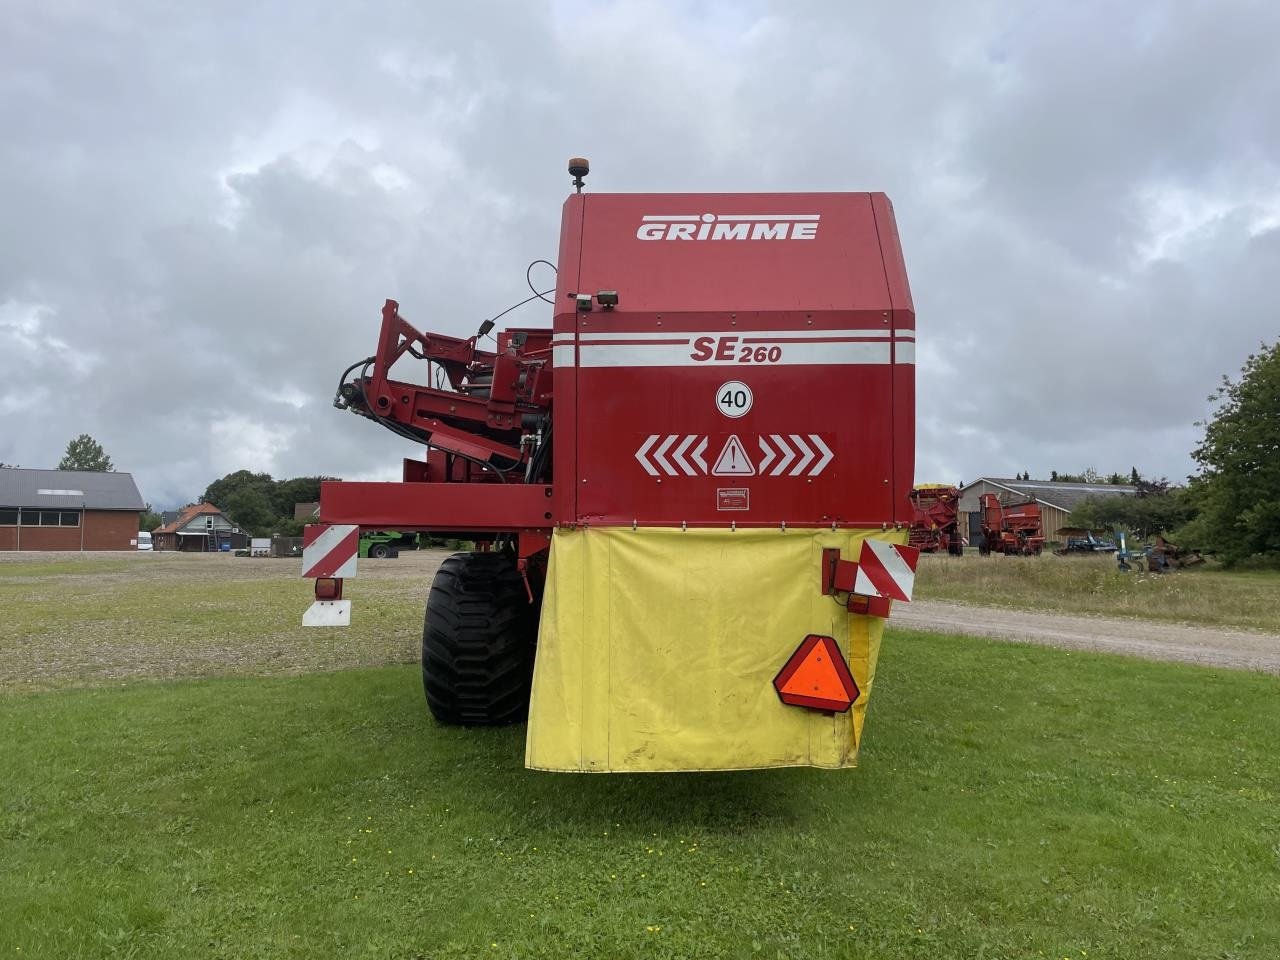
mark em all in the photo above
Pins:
pixel 144 540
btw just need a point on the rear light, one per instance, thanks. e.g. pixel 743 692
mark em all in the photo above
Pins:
pixel 328 588
pixel 870 606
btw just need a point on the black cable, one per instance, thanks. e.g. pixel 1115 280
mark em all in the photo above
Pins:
pixel 538 461
pixel 529 279
pixel 536 296
pixel 343 378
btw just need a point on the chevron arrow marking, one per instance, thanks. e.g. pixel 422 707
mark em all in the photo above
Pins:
pixel 768 456
pixel 678 456
pixel 787 455
pixel 827 455
pixel 685 453
pixel 697 455
pixel 640 454
pixel 660 454
pixel 806 455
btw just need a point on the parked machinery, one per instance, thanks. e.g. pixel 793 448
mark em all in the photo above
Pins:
pixel 1011 528
pixel 386 544
pixel 698 556
pixel 1075 540
pixel 1159 557
pixel 1169 556
pixel 1127 559
pixel 935 524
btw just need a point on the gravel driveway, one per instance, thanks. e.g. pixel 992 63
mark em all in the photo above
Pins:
pixel 1206 646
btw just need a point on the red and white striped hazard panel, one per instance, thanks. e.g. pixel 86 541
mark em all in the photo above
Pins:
pixel 330 550
pixel 886 570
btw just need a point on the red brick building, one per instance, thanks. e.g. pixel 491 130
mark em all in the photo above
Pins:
pixel 68 510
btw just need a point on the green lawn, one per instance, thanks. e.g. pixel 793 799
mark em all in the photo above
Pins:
pixel 1013 802
pixel 1205 595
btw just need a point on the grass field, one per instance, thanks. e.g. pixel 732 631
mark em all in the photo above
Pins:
pixel 1204 595
pixel 1012 802
pixel 74 622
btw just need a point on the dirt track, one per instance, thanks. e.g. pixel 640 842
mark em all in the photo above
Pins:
pixel 1207 646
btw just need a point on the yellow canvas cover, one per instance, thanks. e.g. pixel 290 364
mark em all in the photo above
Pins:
pixel 658 647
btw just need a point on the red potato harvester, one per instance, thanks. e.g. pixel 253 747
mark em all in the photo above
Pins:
pixel 689 497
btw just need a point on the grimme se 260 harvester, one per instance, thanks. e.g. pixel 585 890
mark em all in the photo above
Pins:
pixel 935 525
pixel 689 496
pixel 1011 529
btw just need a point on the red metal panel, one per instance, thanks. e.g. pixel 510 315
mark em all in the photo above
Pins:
pixel 805 323
pixel 904 425
pixel 903 320
pixel 565 374
pixel 839 268
pixel 895 269
pixel 437 506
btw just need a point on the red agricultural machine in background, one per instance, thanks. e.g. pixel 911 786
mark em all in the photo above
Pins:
pixel 683 559
pixel 1011 528
pixel 935 523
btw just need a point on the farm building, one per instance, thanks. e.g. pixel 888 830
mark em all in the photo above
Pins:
pixel 199 528
pixel 68 510
pixel 1056 499
pixel 307 511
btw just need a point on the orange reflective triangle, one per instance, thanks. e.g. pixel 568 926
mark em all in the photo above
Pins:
pixel 817 676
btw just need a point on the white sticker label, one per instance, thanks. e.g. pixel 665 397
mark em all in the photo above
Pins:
pixel 733 498
pixel 733 399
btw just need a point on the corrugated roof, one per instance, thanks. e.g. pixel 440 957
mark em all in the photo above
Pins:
pixel 68 489
pixel 1065 496
pixel 185 516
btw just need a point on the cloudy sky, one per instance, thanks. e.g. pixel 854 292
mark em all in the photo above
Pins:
pixel 203 205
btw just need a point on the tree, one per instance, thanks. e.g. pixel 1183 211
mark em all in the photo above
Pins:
pixel 148 519
pixel 251 509
pixel 1088 475
pixel 1238 486
pixel 1148 488
pixel 220 491
pixel 85 453
pixel 298 490
pixel 288 527
pixel 245 497
pixel 1134 476
pixel 1144 515
pixel 261 504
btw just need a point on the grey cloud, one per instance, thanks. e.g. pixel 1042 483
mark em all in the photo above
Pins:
pixel 206 205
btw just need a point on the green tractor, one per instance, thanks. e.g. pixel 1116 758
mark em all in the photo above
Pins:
pixel 385 544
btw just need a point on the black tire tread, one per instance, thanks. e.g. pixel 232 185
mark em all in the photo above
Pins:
pixel 478 641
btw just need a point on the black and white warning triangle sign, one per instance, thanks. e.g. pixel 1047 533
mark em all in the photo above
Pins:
pixel 733 460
